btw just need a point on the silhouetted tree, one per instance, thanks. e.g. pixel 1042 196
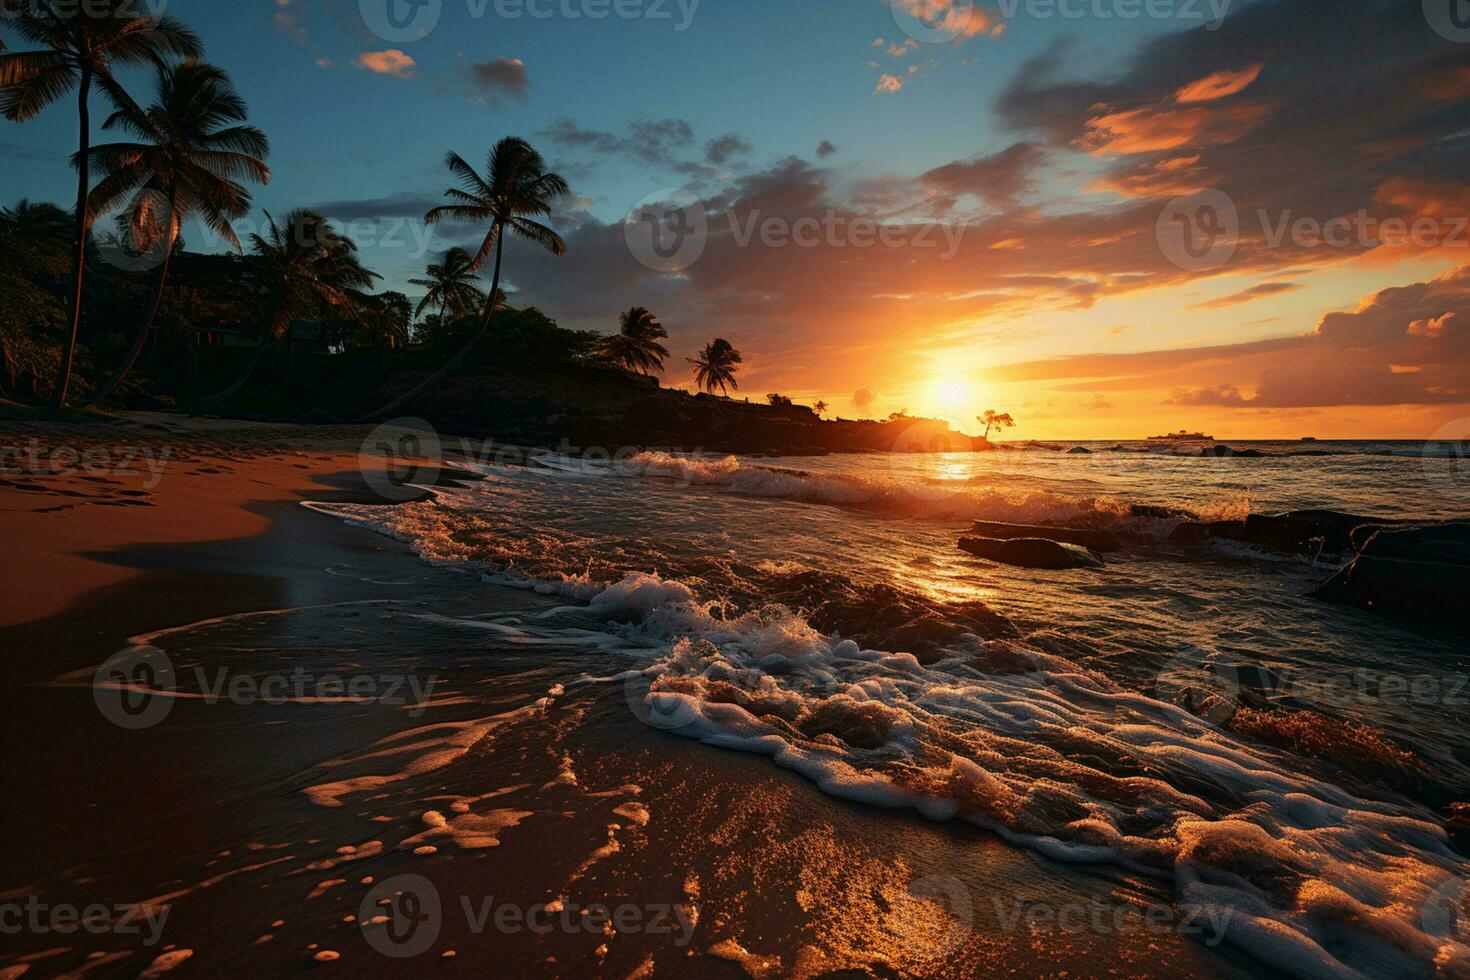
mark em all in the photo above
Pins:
pixel 75 50
pixel 185 164
pixel 452 285
pixel 636 347
pixel 996 420
pixel 515 190
pixel 308 270
pixel 716 366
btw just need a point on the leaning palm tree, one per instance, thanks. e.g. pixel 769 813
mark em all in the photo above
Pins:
pixel 716 365
pixel 453 285
pixel 636 347
pixel 78 48
pixel 307 270
pixel 185 164
pixel 516 189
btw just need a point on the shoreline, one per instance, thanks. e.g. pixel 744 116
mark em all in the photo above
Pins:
pixel 199 802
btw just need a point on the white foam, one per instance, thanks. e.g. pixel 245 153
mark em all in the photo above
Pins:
pixel 1268 864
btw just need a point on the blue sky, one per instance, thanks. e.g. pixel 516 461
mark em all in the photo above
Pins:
pixel 783 75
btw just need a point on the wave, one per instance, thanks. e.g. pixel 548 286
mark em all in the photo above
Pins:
pixel 892 498
pixel 892 699
pixel 1057 758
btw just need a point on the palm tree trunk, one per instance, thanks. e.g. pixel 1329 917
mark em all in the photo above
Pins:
pixel 454 362
pixel 147 328
pixel 244 375
pixel 79 261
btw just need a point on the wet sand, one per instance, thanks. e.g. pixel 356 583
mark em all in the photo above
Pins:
pixel 706 863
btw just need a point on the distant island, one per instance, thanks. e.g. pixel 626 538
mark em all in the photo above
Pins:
pixel 1182 436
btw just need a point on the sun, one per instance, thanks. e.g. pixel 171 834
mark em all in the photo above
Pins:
pixel 952 395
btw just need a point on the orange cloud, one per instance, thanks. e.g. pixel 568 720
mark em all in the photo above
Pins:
pixel 1151 130
pixel 391 62
pixel 1168 177
pixel 889 83
pixel 1218 85
pixel 954 18
pixel 1430 328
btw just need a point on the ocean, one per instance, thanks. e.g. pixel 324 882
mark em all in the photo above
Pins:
pixel 1189 720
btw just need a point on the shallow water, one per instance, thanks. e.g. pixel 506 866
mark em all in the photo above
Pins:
pixel 817 613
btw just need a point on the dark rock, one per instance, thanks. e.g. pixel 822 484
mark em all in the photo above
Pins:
pixel 1162 513
pixel 1097 540
pixel 1031 553
pixel 1419 572
pixel 1079 451
pixel 1247 676
pixel 1227 452
pixel 1301 532
pixel 1192 532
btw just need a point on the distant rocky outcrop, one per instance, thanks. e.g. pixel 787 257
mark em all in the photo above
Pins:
pixel 588 407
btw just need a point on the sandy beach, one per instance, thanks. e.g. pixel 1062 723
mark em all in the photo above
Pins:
pixel 233 828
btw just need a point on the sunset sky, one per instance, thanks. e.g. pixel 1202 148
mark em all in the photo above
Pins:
pixel 1023 160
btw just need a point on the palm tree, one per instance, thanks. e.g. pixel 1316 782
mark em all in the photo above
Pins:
pixel 308 270
pixel 35 222
pixel 78 48
pixel 636 347
pixel 516 189
pixel 820 408
pixel 188 160
pixel 716 365
pixel 453 285
pixel 996 420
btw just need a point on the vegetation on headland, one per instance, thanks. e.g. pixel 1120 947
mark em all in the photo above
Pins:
pixel 288 326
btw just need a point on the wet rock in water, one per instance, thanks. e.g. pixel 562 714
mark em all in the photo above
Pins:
pixel 1157 513
pixel 1031 553
pixel 1246 676
pixel 1301 532
pixel 1421 572
pixel 1225 452
pixel 1092 538
pixel 1079 451
pixel 1192 534
pixel 886 618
